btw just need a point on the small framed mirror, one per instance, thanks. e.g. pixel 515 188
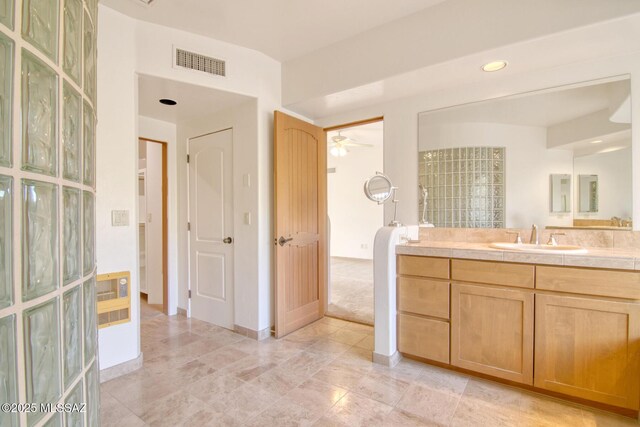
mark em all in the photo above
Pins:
pixel 588 189
pixel 560 193
pixel 378 188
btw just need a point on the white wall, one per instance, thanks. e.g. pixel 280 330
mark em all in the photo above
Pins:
pixel 354 218
pixel 117 176
pixel 614 183
pixel 127 47
pixel 528 164
pixel 401 117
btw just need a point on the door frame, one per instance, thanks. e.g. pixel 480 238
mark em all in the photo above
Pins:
pixel 188 314
pixel 165 224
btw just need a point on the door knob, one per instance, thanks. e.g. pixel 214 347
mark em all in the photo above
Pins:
pixel 227 240
pixel 282 241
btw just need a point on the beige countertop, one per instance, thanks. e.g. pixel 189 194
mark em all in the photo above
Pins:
pixel 622 259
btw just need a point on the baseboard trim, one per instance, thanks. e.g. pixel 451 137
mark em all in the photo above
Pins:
pixel 389 361
pixel 250 333
pixel 125 368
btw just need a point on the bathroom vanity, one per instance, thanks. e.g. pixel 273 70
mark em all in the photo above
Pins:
pixel 539 320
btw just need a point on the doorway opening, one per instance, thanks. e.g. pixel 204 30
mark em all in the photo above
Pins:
pixel 355 153
pixel 152 227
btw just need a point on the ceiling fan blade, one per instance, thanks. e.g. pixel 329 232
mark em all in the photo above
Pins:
pixel 356 144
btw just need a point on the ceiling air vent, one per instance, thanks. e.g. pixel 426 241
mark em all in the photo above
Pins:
pixel 198 62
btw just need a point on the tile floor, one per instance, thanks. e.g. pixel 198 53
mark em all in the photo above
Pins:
pixel 196 374
pixel 351 289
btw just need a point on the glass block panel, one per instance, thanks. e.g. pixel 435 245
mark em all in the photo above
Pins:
pixel 39 238
pixel 89 136
pixel 39 112
pixel 42 355
pixel 92 6
pixel 72 324
pixel 75 398
pixel 93 395
pixel 6 270
pixel 40 25
pixel 89 221
pixel 8 369
pixel 90 328
pixel 6 100
pixel 89 58
pixel 71 231
pixel 54 421
pixel 6 13
pixel 72 39
pixel 71 127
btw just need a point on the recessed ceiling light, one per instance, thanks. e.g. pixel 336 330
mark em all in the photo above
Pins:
pixel 167 101
pixel 597 141
pixel 611 149
pixel 494 66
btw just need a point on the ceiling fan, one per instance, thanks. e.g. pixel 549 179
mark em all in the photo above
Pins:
pixel 339 144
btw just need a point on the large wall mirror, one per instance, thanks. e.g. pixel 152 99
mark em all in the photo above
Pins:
pixel 558 157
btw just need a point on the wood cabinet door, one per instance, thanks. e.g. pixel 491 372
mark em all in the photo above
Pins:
pixel 588 348
pixel 492 331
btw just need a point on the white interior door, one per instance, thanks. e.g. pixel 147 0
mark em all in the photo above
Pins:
pixel 211 219
pixel 153 225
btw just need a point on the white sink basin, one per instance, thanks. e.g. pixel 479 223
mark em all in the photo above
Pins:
pixel 548 249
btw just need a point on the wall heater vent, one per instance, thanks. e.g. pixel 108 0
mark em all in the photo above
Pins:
pixel 198 62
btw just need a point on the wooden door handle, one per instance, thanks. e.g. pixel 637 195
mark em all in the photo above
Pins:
pixel 282 241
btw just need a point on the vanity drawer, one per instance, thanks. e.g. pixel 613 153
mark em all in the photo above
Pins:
pixel 493 273
pixel 423 266
pixel 607 283
pixel 423 296
pixel 426 338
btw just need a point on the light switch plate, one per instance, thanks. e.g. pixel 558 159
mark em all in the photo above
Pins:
pixel 247 218
pixel 246 180
pixel 119 218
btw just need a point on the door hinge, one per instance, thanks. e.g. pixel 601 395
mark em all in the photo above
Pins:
pixel 188 226
pixel 189 293
pixel 188 158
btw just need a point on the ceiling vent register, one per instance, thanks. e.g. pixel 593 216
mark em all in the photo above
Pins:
pixel 198 62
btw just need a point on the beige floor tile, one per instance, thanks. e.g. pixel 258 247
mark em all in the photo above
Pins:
pixel 245 402
pixel 278 380
pixel 340 376
pixel 334 322
pixel 397 418
pixel 433 405
pixel 112 412
pixel 328 348
pixel 316 395
pixel 209 388
pixel 358 327
pixel 406 370
pixel 443 380
pixel 595 418
pixel 346 336
pixel 355 410
pixel 284 413
pixel 171 410
pixel 223 357
pixel 382 388
pixel 249 368
pixel 366 343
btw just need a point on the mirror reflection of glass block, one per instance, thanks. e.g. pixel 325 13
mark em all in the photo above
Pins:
pixel 71 143
pixel 88 219
pixel 72 324
pixel 6 13
pixel 39 238
pixel 6 100
pixel 54 421
pixel 89 58
pixel 89 136
pixel 71 230
pixel 8 369
pixel 76 399
pixel 92 6
pixel 72 39
pixel 39 111
pixel 42 355
pixel 90 328
pixel 93 395
pixel 6 270
pixel 40 25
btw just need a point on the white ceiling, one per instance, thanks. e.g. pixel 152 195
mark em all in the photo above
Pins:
pixel 282 29
pixel 193 101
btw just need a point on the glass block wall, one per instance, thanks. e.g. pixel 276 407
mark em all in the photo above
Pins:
pixel 48 335
pixel 465 186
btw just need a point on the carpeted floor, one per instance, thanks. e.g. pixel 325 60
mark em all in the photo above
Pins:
pixel 351 289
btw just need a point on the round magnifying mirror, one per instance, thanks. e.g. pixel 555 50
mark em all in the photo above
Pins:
pixel 378 188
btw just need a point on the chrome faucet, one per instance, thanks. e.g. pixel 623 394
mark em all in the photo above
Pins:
pixel 535 239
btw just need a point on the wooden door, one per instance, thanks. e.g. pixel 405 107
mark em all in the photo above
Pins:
pixel 492 331
pixel 211 228
pixel 588 348
pixel 300 165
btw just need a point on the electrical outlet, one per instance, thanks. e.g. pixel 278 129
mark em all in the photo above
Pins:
pixel 120 218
